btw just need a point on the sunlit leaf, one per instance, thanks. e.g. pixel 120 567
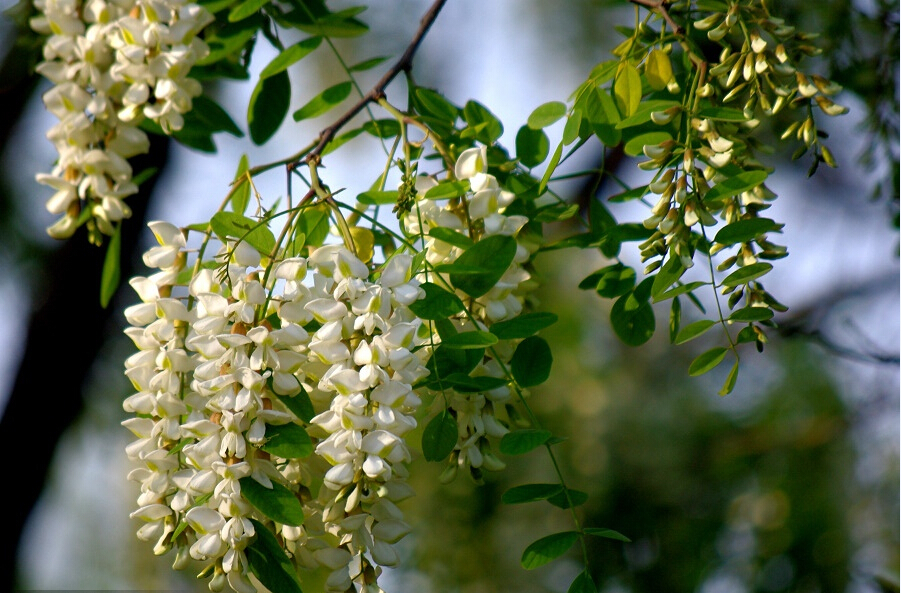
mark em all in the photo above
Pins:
pixel 747 273
pixel 290 56
pixel 546 114
pixel 542 551
pixel 288 441
pixel 707 361
pixel 324 101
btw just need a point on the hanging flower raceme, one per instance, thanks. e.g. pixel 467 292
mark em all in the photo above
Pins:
pixel 479 215
pixel 237 368
pixel 113 65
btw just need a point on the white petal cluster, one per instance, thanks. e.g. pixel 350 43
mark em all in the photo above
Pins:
pixel 361 356
pixel 215 367
pixel 112 65
pixel 478 214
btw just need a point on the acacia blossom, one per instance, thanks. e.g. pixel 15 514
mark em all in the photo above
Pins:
pixel 113 65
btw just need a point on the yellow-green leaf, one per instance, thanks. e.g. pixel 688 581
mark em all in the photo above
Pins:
pixel 658 70
pixel 627 89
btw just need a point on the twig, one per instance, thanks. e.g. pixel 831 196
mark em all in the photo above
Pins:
pixel 405 63
pixel 660 7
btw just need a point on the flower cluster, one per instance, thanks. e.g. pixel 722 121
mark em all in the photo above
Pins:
pixel 112 65
pixel 479 213
pixel 225 368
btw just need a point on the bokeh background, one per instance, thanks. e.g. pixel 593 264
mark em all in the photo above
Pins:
pixel 791 483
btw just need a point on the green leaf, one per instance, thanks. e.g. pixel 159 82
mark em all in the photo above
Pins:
pixel 736 185
pixel 747 273
pixel 742 231
pixel 254 233
pixel 642 115
pixel 288 441
pixel 434 104
pixel 532 146
pixel 371 198
pixel 627 88
pixel 466 384
pixel 445 362
pixel 679 290
pixel 546 114
pixel 607 533
pixel 439 437
pixel 268 106
pixel 278 503
pixel 576 497
pixel 548 548
pixel 446 190
pixel 729 384
pixel 523 441
pixel 669 273
pixel 269 563
pixel 478 116
pixel 337 142
pixel 337 24
pixel 144 175
pixel 314 224
pixel 675 319
pixel 632 319
pixel 693 330
pixel 241 197
pixel 490 258
pixel 573 125
pixel 707 361
pixel 582 584
pixel 382 128
pixel 630 194
pixel 367 64
pixel 749 314
pixel 722 114
pixel 290 56
pixel 299 404
pixel 556 213
pixel 246 9
pixel 530 493
pixel 658 70
pixel 469 340
pixel 437 303
pixel 522 326
pixel 552 166
pixel 635 146
pixel 324 101
pixel 531 362
pixel 213 117
pixel 455 238
pixel 111 275
pixel 610 282
pixel 230 39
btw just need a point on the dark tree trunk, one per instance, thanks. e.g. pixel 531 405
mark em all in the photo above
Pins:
pixel 66 330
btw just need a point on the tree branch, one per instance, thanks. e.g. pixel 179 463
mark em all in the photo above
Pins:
pixel 405 63
pixel 660 7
